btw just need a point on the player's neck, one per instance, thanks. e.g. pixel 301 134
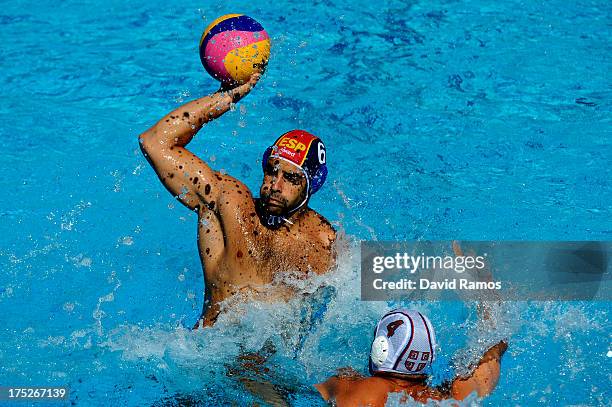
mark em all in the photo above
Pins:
pixel 274 221
pixel 301 216
pixel 294 220
pixel 405 381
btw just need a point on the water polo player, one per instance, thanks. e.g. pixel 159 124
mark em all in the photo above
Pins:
pixel 244 241
pixel 402 351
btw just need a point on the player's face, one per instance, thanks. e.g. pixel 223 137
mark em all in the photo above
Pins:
pixel 283 188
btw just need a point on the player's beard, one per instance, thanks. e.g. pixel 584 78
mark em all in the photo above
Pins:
pixel 275 205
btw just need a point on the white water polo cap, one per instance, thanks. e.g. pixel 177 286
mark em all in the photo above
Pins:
pixel 404 342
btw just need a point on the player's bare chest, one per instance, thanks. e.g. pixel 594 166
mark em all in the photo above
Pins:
pixel 272 251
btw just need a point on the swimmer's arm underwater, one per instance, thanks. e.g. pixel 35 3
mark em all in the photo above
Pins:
pixel 185 175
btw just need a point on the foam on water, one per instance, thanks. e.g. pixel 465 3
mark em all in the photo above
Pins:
pixel 323 327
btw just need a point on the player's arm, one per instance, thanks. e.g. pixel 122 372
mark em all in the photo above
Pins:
pixel 484 378
pixel 337 384
pixel 327 389
pixel 183 174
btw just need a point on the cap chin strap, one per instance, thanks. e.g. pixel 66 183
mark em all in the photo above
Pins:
pixel 306 198
pixel 274 221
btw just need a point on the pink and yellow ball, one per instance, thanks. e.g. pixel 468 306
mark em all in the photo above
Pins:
pixel 233 47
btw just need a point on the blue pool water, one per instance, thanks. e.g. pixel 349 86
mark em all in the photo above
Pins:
pixel 443 119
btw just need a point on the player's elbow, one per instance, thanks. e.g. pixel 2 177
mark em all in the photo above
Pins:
pixel 145 140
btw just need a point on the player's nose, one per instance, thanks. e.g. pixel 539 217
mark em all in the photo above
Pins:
pixel 277 183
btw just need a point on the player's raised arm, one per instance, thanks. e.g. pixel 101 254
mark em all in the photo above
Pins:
pixel 186 176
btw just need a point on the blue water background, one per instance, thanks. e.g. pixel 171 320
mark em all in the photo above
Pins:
pixel 443 120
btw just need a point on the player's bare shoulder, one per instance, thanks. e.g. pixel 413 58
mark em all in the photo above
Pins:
pixel 321 236
pixel 234 196
pixel 320 229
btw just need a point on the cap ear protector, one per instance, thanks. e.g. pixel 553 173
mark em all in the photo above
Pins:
pixel 317 179
pixel 266 157
pixel 312 159
pixel 380 350
pixel 371 366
